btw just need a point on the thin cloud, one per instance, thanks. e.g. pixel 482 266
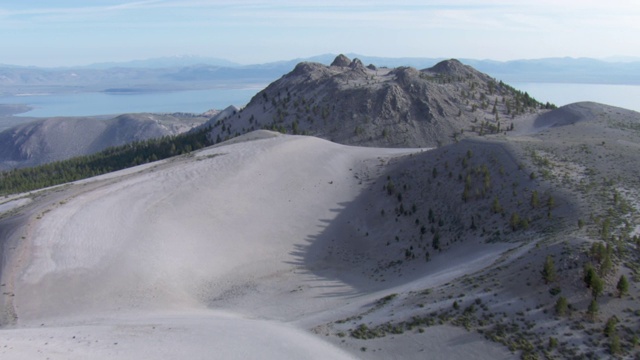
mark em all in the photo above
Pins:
pixel 78 10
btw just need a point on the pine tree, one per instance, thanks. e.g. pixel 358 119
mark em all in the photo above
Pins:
pixel 561 306
pixel 615 347
pixel 606 265
pixel 610 326
pixel 593 309
pixel 390 187
pixel 535 201
pixel 623 286
pixel 496 207
pixel 515 221
pixel 549 270
pixel 551 202
pixel 597 286
pixel 465 194
pixel 597 251
pixel 589 273
pixel 435 243
pixel 605 231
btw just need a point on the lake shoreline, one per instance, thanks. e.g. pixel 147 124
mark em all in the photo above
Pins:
pixel 560 94
pixel 118 101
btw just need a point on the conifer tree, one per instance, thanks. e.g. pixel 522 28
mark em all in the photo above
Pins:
pixel 561 306
pixel 515 221
pixel 589 273
pixel 623 286
pixel 496 207
pixel 606 265
pixel 549 270
pixel 597 286
pixel 593 309
pixel 615 347
pixel 610 326
pixel 535 201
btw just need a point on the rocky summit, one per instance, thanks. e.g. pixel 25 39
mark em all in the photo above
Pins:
pixel 350 103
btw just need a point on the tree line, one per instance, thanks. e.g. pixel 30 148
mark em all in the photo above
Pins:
pixel 108 160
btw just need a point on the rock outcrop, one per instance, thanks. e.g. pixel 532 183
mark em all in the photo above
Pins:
pixel 341 61
pixel 349 103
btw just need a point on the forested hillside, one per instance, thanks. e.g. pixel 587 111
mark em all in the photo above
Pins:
pixel 111 159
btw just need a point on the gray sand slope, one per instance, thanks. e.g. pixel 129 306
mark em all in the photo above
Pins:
pixel 202 252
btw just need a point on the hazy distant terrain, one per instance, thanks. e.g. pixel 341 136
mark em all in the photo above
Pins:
pixel 199 73
pixel 12 109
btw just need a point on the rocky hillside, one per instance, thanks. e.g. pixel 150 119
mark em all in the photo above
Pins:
pixel 56 139
pixel 561 190
pixel 350 103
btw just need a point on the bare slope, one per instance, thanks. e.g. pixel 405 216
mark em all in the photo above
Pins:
pixel 401 107
pixel 192 248
pixel 54 139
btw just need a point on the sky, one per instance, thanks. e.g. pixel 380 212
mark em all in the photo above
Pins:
pixel 80 32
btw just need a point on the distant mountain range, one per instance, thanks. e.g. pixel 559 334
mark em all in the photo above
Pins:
pixel 166 62
pixel 191 72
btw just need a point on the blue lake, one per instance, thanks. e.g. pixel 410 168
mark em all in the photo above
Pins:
pixel 100 103
pixel 198 101
pixel 625 96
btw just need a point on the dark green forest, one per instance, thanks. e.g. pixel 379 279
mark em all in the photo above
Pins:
pixel 108 160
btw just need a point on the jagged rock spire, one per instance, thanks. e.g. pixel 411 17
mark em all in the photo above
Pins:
pixel 356 64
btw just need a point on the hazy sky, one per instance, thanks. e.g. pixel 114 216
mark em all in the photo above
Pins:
pixel 75 32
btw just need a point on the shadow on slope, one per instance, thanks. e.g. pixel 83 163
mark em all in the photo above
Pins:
pixel 8 228
pixel 581 112
pixel 437 214
pixel 567 115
